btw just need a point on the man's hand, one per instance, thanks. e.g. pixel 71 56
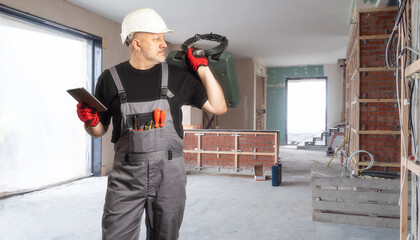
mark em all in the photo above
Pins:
pixel 195 60
pixel 87 115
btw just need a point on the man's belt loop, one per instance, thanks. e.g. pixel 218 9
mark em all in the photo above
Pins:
pixel 169 154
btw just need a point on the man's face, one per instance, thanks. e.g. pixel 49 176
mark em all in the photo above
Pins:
pixel 152 46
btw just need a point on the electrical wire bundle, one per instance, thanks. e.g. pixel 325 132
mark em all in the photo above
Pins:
pixel 401 54
pixel 390 42
pixel 348 171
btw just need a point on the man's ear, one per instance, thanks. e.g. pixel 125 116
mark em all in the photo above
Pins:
pixel 136 44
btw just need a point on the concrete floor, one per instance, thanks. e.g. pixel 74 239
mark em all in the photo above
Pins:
pixel 218 207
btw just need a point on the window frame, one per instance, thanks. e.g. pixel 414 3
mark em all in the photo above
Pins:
pixel 96 64
pixel 326 99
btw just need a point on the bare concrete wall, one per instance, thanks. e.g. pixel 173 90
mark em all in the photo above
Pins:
pixel 73 16
pixel 242 117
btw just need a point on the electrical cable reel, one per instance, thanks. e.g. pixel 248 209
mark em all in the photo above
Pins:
pixel 220 63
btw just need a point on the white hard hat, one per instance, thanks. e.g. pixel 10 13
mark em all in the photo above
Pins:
pixel 142 20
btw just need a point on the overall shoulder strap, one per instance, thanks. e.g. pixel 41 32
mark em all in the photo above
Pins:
pixel 164 90
pixel 118 84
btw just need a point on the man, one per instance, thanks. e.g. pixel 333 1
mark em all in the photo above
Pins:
pixel 144 97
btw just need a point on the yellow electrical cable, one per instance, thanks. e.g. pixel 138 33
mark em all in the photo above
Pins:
pixel 338 148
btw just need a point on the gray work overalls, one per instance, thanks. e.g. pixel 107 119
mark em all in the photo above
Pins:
pixel 148 172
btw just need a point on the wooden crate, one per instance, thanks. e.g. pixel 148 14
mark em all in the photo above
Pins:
pixel 357 201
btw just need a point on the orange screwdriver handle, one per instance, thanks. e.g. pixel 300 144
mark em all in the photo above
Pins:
pixel 156 117
pixel 162 118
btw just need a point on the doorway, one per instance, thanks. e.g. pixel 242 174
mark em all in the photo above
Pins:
pixel 306 110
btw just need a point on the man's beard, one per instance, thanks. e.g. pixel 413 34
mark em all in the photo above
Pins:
pixel 157 59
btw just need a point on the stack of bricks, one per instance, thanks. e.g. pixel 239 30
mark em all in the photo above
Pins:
pixel 372 110
pixel 230 150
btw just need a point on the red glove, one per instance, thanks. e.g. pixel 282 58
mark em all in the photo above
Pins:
pixel 196 61
pixel 87 115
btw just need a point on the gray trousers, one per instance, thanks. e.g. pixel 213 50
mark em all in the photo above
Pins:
pixel 152 183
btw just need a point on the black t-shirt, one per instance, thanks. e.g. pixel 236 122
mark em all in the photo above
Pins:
pixel 144 85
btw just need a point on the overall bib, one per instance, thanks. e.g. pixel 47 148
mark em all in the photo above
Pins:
pixel 148 172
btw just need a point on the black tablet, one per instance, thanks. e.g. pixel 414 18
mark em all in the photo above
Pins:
pixel 82 95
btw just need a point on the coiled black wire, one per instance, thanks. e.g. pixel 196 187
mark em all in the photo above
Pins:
pixel 211 37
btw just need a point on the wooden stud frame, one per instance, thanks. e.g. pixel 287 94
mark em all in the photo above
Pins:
pixel 353 101
pixel 404 136
pixel 234 151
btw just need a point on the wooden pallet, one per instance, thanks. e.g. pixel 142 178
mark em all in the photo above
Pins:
pixel 357 201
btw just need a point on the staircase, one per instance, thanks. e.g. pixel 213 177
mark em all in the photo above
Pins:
pixel 323 140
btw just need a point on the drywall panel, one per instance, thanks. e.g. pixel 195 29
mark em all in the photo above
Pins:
pixel 242 116
pixel 73 16
pixel 276 93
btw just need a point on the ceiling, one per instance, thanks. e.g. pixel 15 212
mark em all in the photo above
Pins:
pixel 275 32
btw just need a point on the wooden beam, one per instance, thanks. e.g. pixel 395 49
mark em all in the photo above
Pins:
pixel 379 132
pixel 404 139
pixel 231 152
pixel 354 74
pixel 373 37
pixel 381 164
pixel 187 131
pixel 381 183
pixel 353 28
pixel 412 166
pixel 355 208
pixel 352 196
pixel 353 51
pixel 358 43
pixel 382 100
pixel 356 95
pixel 376 69
pixel 199 154
pixel 412 68
pixel 236 153
pixel 373 221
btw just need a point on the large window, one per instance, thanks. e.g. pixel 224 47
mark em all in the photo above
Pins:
pixel 42 142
